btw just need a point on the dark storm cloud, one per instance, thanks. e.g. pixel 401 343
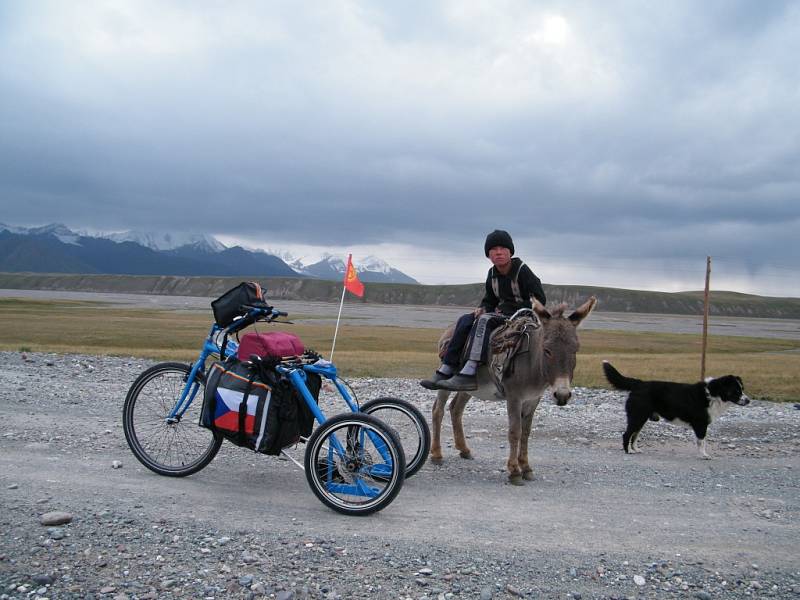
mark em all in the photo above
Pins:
pixel 660 130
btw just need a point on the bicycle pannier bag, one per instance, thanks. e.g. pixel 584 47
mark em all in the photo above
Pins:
pixel 229 306
pixel 252 406
pixel 273 344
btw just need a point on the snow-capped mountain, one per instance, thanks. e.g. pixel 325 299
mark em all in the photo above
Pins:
pixel 370 269
pixel 168 240
pixel 374 264
pixel 328 267
pixel 291 260
pixel 12 229
pixel 63 233
pixel 56 248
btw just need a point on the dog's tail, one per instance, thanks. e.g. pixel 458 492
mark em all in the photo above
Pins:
pixel 617 379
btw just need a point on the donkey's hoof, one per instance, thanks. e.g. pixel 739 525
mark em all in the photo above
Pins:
pixel 437 460
pixel 516 479
pixel 527 475
pixel 466 454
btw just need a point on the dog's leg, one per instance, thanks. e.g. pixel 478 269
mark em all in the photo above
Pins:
pixel 629 441
pixel 631 435
pixel 638 410
pixel 701 446
pixel 700 431
pixel 635 442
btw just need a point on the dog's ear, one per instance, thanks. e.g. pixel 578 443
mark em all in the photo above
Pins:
pixel 714 387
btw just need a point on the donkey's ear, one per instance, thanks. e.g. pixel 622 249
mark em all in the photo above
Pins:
pixel 582 311
pixel 540 310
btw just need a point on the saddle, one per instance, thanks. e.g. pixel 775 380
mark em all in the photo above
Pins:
pixel 508 341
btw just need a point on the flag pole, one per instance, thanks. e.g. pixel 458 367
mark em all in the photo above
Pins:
pixel 341 304
pixel 705 320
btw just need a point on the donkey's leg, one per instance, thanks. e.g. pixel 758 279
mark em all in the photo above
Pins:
pixel 528 409
pixel 514 409
pixel 436 420
pixel 456 413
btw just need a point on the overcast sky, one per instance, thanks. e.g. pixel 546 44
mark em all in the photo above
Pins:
pixel 620 143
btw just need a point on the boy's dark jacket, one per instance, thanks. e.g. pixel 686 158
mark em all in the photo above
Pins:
pixel 529 285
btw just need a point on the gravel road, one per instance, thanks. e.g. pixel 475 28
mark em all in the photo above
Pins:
pixel 595 523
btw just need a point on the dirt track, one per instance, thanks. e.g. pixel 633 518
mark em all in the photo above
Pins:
pixel 592 520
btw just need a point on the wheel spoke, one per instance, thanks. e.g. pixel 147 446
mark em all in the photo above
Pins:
pixel 346 468
pixel 408 423
pixel 174 448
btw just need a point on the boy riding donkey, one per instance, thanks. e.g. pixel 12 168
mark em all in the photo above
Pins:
pixel 510 284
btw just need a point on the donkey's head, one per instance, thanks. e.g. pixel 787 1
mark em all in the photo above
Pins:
pixel 560 345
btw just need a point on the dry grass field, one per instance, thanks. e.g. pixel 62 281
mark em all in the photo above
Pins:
pixel 768 366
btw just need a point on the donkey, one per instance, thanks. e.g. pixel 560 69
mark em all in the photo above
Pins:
pixel 549 361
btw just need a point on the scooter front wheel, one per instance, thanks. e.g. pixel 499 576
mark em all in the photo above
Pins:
pixel 175 447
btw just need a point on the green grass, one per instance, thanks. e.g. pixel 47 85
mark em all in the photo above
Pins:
pixel 768 366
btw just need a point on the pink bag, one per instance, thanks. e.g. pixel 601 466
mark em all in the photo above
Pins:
pixel 275 344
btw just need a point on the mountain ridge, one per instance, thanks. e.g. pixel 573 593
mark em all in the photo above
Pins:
pixel 55 248
pixel 722 303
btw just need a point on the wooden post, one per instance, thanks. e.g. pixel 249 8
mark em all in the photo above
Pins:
pixel 705 320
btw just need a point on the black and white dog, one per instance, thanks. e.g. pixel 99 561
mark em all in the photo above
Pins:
pixel 695 404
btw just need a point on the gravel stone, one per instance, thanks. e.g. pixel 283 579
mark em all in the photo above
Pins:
pixel 56 518
pixel 591 523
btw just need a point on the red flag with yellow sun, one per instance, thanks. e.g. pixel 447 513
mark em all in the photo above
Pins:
pixel 351 284
pixel 351 281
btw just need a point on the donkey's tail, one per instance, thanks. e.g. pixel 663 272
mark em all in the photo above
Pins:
pixel 617 379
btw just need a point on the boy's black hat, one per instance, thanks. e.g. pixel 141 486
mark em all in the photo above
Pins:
pixel 498 238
